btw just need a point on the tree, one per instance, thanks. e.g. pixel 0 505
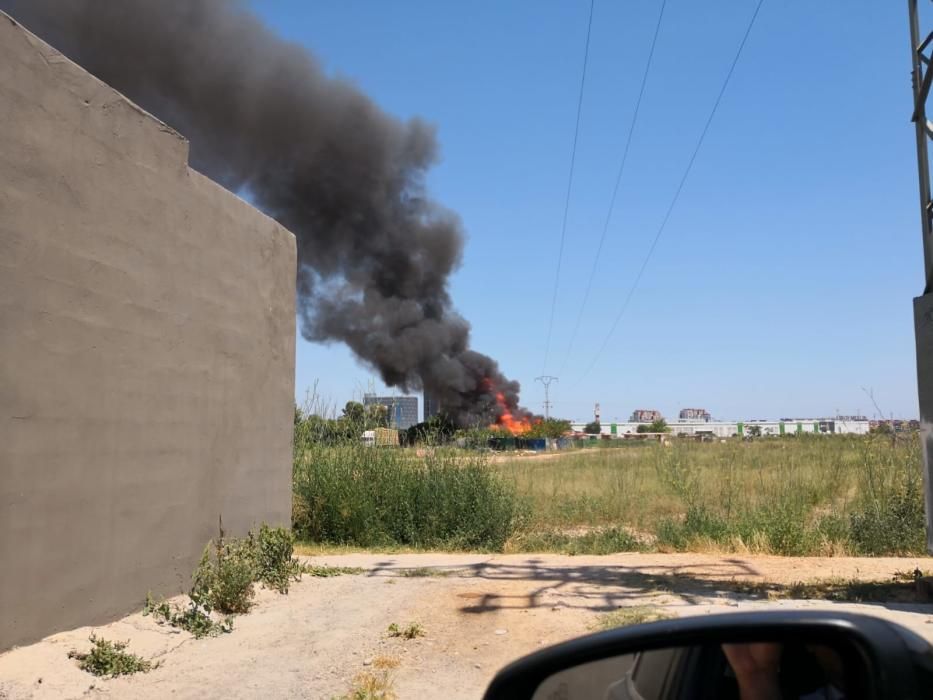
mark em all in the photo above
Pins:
pixel 436 430
pixel 593 428
pixel 549 428
pixel 354 412
pixel 658 426
pixel 754 431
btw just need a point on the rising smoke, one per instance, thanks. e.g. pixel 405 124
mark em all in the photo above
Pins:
pixel 374 251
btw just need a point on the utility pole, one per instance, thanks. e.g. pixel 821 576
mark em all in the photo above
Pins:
pixel 922 77
pixel 546 379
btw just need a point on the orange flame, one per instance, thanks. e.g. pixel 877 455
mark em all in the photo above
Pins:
pixel 516 426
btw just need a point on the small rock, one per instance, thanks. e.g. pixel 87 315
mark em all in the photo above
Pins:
pixel 501 631
pixel 367 662
pixel 476 666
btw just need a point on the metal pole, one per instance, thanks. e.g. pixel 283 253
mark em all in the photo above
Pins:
pixel 546 379
pixel 922 76
pixel 921 87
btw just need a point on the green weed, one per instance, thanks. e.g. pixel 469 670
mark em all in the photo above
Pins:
pixel 413 631
pixel 191 619
pixel 109 659
pixel 274 564
pixel 224 578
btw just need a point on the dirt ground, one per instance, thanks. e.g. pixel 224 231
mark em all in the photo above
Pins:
pixel 478 613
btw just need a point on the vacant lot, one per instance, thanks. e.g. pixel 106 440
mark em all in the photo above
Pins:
pixel 797 496
pixel 805 495
pixel 471 614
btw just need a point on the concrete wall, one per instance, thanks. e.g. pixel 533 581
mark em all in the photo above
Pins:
pixel 147 338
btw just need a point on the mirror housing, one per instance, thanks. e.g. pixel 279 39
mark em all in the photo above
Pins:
pixel 885 653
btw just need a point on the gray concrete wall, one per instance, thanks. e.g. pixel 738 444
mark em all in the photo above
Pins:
pixel 147 339
pixel 923 322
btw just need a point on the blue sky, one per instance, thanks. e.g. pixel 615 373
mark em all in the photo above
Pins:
pixel 783 282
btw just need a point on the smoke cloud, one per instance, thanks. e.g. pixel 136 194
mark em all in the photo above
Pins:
pixel 375 252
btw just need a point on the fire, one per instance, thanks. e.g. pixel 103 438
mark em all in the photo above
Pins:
pixel 506 420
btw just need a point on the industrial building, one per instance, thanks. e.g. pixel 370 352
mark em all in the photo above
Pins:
pixel 645 415
pixel 723 429
pixel 432 406
pixel 700 414
pixel 403 410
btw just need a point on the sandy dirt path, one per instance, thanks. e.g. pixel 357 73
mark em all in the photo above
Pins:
pixel 478 612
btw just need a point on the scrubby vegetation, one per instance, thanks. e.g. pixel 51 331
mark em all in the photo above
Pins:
pixel 191 618
pixel 794 495
pixel 225 578
pixel 375 497
pixel 413 631
pixel 110 659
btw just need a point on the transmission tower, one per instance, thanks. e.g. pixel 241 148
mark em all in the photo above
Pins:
pixel 546 379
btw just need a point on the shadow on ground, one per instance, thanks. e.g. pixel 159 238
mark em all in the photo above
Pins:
pixel 601 588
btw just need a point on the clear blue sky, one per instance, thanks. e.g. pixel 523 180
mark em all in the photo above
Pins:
pixel 783 282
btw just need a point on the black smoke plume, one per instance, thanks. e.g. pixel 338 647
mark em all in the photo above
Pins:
pixel 375 252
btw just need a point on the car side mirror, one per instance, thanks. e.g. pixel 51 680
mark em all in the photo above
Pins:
pixel 745 656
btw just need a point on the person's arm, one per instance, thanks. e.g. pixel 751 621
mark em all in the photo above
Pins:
pixel 756 669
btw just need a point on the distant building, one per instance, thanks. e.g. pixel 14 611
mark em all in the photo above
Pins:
pixel 403 410
pixel 726 429
pixel 899 426
pixel 700 414
pixel 644 415
pixel 432 406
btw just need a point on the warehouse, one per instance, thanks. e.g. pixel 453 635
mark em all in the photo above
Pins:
pixel 725 429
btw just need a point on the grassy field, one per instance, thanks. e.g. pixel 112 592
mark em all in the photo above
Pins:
pixel 819 495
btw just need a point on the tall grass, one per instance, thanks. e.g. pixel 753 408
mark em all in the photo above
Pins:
pixel 803 495
pixel 370 497
pixel 793 496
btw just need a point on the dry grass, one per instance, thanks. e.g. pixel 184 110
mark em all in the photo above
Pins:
pixel 818 495
pixel 376 683
pixel 635 615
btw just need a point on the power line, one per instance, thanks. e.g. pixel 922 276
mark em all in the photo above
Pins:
pixel 573 158
pixel 680 187
pixel 615 189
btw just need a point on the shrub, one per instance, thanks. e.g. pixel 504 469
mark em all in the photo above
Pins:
pixel 191 619
pixel 275 566
pixel 889 515
pixel 700 523
pixel 377 497
pixel 224 581
pixel 109 659
pixel 895 525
